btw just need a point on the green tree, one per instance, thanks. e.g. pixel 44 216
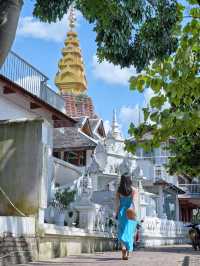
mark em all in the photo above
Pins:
pixel 128 32
pixel 186 151
pixel 175 81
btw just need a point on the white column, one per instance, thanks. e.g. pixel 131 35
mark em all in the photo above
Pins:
pixel 94 182
pixel 177 209
pixel 40 216
pixel 137 203
pixel 86 216
pixel 160 202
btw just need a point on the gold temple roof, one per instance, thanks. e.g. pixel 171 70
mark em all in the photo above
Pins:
pixel 71 75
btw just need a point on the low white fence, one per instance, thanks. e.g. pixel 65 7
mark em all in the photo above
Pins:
pixel 52 229
pixel 154 231
pixel 157 232
pixel 18 226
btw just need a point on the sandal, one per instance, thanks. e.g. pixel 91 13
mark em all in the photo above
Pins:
pixel 127 254
pixel 124 254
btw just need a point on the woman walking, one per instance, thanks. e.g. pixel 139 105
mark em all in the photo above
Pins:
pixel 125 212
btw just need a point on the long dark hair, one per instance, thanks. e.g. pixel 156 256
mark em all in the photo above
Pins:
pixel 125 186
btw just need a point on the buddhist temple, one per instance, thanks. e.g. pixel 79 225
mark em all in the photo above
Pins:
pixel 70 79
pixel 60 170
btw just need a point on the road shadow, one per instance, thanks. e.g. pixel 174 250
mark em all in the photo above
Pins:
pixel 77 260
pixel 186 261
pixel 179 250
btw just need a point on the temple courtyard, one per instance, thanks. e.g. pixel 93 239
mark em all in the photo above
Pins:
pixel 165 256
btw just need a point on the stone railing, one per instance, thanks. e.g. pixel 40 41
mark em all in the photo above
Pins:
pixel 17 226
pixel 53 229
pixel 191 189
pixel 102 222
pixel 156 232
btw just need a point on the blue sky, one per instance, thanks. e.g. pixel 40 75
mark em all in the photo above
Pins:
pixel 41 43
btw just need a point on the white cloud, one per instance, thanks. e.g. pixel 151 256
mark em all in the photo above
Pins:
pixel 31 27
pixel 148 94
pixel 110 73
pixel 107 125
pixel 129 115
pixel 134 114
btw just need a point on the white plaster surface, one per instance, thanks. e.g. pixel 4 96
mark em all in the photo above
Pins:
pixel 10 110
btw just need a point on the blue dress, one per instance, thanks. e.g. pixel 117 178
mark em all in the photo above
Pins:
pixel 126 227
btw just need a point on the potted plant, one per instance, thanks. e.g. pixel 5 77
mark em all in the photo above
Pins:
pixel 62 200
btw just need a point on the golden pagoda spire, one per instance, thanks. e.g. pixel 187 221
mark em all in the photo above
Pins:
pixel 72 19
pixel 71 75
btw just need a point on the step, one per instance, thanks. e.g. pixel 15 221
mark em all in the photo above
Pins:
pixel 15 258
pixel 12 249
pixel 13 244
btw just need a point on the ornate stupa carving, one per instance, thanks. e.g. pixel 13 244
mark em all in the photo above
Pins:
pixel 115 129
pixel 70 78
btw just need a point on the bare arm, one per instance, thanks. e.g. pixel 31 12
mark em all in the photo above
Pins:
pixel 134 194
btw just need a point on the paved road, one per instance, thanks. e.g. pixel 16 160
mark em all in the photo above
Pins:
pixel 166 256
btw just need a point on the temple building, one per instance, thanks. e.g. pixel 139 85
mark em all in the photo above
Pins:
pixel 78 145
pixel 75 145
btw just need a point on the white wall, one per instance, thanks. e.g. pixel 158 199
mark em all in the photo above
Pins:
pixel 147 167
pixel 88 157
pixel 15 106
pixel 9 110
pixel 47 175
pixel 65 173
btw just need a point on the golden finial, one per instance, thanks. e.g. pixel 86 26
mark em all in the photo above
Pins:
pixel 72 18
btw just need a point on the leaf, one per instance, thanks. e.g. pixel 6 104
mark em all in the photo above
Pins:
pixel 146 113
pixel 195 12
pixel 156 84
pixel 133 83
pixel 154 117
pixel 193 2
pixel 157 101
pixel 138 83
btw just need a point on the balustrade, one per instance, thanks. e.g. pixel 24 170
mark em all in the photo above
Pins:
pixel 31 79
pixel 191 189
pixel 157 232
